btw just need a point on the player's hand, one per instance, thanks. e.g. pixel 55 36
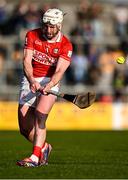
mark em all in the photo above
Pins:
pixel 34 86
pixel 44 90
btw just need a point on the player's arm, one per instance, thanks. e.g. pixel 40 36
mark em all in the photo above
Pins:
pixel 60 69
pixel 27 64
pixel 62 65
pixel 28 69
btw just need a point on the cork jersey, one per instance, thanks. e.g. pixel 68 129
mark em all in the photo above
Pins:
pixel 46 53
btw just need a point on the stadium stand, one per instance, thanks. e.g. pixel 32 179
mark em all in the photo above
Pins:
pixel 99 36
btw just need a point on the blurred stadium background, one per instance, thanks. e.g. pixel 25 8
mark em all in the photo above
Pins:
pixel 98 30
pixel 99 33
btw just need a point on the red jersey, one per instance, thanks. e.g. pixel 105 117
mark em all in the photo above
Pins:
pixel 46 53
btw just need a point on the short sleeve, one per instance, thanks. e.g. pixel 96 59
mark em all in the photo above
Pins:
pixel 66 51
pixel 29 41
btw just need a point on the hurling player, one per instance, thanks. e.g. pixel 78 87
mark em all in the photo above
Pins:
pixel 47 55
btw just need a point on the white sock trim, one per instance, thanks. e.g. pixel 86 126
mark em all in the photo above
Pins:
pixel 34 158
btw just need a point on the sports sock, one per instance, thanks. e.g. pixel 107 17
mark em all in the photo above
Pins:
pixel 34 158
pixel 36 153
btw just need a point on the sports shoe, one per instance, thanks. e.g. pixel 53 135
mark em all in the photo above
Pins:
pixel 45 152
pixel 27 162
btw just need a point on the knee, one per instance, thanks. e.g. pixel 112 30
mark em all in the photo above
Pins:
pixel 41 119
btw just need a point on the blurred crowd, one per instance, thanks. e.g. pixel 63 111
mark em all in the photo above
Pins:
pixel 99 35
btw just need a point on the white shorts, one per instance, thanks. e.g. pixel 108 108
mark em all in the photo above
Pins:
pixel 26 96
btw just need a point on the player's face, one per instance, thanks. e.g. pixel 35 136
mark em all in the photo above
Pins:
pixel 50 31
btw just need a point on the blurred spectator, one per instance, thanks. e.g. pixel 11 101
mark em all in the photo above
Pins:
pixel 79 66
pixel 96 20
pixel 2 79
pixel 14 74
pixel 31 20
pixel 94 53
pixel 120 78
pixel 1 64
pixel 3 56
pixel 3 12
pixel 15 19
pixel 24 16
pixel 112 78
pixel 124 46
pixel 106 65
pixel 89 24
pixel 84 32
pixel 68 78
pixel 31 17
pixel 93 75
pixel 83 11
pixel 45 6
pixel 82 27
pixel 118 85
pixel 121 20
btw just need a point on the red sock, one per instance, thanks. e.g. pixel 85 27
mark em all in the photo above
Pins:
pixel 37 151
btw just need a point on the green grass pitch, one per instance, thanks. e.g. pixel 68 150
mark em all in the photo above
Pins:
pixel 75 155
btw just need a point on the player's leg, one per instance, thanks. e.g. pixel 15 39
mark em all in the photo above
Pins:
pixel 41 149
pixel 26 115
pixel 42 110
pixel 26 118
pixel 27 127
pixel 26 110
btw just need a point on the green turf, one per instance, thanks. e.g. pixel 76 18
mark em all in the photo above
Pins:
pixel 75 155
